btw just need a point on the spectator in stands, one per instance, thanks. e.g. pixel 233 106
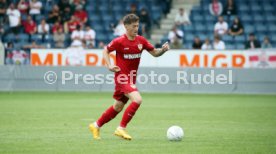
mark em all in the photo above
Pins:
pixel 119 29
pixel 8 50
pixel 54 15
pixel 9 46
pixel 236 28
pixel 175 36
pixel 59 38
pixel 133 9
pixel 62 4
pixel 43 28
pixel 78 3
pixel 145 22
pixel 35 7
pixel 89 37
pixel 14 18
pixel 206 45
pixel 182 18
pixel 2 31
pixel 77 35
pixel 81 15
pixel 197 43
pixel 266 43
pixel 84 45
pixel 101 45
pixel 71 25
pixel 30 26
pixel 66 15
pixel 216 8
pixel 56 26
pixel 166 5
pixel 221 27
pixel 23 6
pixel 230 8
pixel 3 9
pixel 252 43
pixel 218 43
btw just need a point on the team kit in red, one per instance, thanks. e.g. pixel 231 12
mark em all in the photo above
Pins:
pixel 126 59
pixel 128 55
pixel 128 48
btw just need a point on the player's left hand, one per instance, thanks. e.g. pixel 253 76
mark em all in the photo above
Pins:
pixel 166 46
pixel 114 68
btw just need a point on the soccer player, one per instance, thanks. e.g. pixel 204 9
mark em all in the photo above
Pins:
pixel 128 49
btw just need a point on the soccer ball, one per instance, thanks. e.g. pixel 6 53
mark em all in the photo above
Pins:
pixel 175 133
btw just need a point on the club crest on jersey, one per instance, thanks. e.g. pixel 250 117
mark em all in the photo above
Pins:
pixel 140 46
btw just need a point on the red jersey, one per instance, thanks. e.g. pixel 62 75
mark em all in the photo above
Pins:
pixel 72 25
pixel 128 54
pixel 29 27
pixel 81 15
pixel 55 28
pixel 23 7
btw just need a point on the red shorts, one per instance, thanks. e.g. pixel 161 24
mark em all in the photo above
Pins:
pixel 121 90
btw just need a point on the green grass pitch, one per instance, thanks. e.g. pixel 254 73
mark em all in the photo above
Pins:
pixel 42 122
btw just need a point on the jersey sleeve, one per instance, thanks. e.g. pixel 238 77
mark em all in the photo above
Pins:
pixel 147 45
pixel 112 46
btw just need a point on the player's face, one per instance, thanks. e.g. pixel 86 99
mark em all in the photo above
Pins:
pixel 132 29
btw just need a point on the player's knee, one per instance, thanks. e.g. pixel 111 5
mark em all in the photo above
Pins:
pixel 138 100
pixel 118 106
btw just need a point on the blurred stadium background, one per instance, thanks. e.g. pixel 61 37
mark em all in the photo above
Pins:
pixel 41 117
pixel 257 17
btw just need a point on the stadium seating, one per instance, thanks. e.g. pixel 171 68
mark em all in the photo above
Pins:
pixel 101 13
pixel 257 16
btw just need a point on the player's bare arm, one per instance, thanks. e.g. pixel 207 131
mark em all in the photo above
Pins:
pixel 160 51
pixel 112 68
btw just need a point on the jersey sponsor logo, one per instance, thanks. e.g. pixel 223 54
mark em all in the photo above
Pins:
pixel 126 48
pixel 140 46
pixel 132 56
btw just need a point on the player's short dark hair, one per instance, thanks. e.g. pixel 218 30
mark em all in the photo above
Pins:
pixel 130 18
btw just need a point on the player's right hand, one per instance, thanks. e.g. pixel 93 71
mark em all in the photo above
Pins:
pixel 166 46
pixel 114 68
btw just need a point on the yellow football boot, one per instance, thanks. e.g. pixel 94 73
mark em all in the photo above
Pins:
pixel 95 131
pixel 122 133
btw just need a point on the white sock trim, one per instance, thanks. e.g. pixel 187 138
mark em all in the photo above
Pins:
pixel 119 127
pixel 96 125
